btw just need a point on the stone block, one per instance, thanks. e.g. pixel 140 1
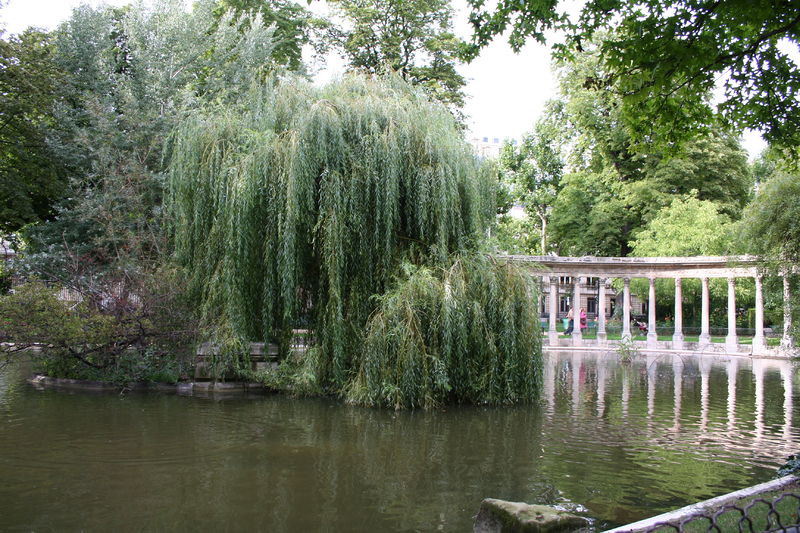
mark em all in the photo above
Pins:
pixel 498 516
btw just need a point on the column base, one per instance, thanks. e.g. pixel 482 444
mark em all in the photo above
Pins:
pixel 732 343
pixel 677 341
pixel 602 337
pixel 758 345
pixel 704 340
pixel 577 337
pixel 652 339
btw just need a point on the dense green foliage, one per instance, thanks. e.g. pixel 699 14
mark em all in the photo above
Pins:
pixel 610 189
pixel 125 78
pixel 411 37
pixel 687 227
pixel 533 171
pixel 114 336
pixel 665 57
pixel 771 226
pixel 293 26
pixel 465 333
pixel 299 207
pixel 31 178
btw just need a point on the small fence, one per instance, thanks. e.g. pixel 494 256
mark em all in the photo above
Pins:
pixel 773 506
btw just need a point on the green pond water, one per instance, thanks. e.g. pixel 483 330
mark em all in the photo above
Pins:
pixel 625 441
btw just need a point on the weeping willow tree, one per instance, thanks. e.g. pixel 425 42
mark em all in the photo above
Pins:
pixel 301 205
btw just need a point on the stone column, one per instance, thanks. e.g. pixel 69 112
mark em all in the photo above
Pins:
pixel 626 310
pixel 577 335
pixel 732 341
pixel 758 337
pixel 552 333
pixel 602 337
pixel 705 337
pixel 677 335
pixel 786 340
pixel 652 334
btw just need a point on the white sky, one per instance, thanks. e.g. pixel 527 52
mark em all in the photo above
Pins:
pixel 506 91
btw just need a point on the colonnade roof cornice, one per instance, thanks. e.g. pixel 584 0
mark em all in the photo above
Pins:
pixel 642 267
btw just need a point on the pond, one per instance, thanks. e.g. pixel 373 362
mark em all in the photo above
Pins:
pixel 626 441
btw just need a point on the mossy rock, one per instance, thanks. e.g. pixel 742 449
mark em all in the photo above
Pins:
pixel 498 516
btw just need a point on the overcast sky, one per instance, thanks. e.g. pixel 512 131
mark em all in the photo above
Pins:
pixel 506 91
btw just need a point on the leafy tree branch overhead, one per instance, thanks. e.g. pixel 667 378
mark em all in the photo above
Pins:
pixel 665 57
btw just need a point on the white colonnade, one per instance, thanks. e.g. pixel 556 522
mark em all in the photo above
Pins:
pixel 567 277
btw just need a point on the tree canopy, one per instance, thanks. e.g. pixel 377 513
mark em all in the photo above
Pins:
pixel 303 206
pixel 32 179
pixel 411 37
pixel 664 58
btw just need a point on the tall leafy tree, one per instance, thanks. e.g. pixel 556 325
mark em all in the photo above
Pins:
pixel 411 37
pixel 616 188
pixel 534 170
pixel 32 179
pixel 356 207
pixel 292 24
pixel 665 57
pixel 129 76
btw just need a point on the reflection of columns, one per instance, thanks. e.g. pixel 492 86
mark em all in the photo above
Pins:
pixel 732 341
pixel 602 338
pixel 550 381
pixel 677 377
pixel 705 371
pixel 626 310
pixel 652 334
pixel 705 338
pixel 601 385
pixel 758 337
pixel 577 362
pixel 552 334
pixel 733 364
pixel 786 376
pixel 626 391
pixel 577 333
pixel 786 340
pixel 677 336
pixel 651 385
pixel 758 376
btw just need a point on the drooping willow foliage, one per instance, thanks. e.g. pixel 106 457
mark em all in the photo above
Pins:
pixel 464 333
pixel 298 206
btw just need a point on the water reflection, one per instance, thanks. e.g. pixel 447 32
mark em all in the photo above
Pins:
pixel 625 440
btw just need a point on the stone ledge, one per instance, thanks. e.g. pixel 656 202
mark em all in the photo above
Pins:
pixel 202 388
pixel 499 516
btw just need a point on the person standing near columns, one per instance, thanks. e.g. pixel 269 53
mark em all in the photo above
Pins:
pixel 571 318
